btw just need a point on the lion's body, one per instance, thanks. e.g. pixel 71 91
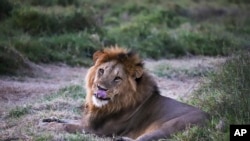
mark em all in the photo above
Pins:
pixel 124 100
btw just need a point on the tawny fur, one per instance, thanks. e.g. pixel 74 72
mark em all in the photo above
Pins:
pixel 136 110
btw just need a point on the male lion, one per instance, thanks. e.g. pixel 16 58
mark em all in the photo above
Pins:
pixel 124 100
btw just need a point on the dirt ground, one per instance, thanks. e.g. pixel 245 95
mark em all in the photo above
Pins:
pixel 20 89
pixel 181 85
pixel 54 77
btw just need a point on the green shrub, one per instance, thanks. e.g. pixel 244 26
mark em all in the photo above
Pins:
pixel 35 22
pixel 208 40
pixel 154 30
pixel 50 2
pixel 73 49
pixel 12 61
pixel 150 42
pixel 238 1
pixel 232 83
pixel 207 44
pixel 130 8
pixel 225 98
pixel 238 25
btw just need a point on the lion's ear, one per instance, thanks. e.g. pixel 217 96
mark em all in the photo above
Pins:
pixel 97 54
pixel 139 70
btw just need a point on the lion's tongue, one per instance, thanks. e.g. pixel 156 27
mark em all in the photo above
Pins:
pixel 101 94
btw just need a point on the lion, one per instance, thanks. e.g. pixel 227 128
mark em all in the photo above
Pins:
pixel 123 100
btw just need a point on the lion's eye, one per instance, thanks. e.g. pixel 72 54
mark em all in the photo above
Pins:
pixel 117 79
pixel 101 71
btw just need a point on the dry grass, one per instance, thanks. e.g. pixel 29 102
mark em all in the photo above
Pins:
pixel 23 122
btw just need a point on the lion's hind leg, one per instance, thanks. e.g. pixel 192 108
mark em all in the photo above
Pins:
pixel 177 124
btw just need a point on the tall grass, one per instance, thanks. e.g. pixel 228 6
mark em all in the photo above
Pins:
pixel 226 98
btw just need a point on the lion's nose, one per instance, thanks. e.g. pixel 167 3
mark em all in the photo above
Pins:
pixel 101 88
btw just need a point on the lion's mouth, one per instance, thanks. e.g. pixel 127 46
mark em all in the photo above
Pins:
pixel 100 98
pixel 101 95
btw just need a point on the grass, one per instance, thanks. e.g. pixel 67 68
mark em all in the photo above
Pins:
pixel 18 112
pixel 172 73
pixel 225 98
pixel 35 21
pixel 23 121
pixel 70 31
pixel 67 48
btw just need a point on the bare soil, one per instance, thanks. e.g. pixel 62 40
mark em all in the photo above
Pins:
pixel 15 90
pixel 181 86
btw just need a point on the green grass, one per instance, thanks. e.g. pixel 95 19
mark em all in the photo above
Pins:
pixel 72 48
pixel 35 21
pixel 18 111
pixel 225 98
pixel 53 31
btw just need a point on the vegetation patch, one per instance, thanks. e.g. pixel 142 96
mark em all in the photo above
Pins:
pixel 55 31
pixel 225 98
pixel 12 62
pixel 65 104
pixel 72 49
pixel 17 112
pixel 35 22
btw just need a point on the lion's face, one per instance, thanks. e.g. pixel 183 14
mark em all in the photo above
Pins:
pixel 110 82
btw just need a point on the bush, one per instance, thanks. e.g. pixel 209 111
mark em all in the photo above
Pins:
pixel 52 2
pixel 149 44
pixel 157 33
pixel 35 22
pixel 238 1
pixel 73 49
pixel 208 40
pixel 229 91
pixel 207 44
pixel 13 62
pixel 225 98
pixel 233 82
pixel 148 34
